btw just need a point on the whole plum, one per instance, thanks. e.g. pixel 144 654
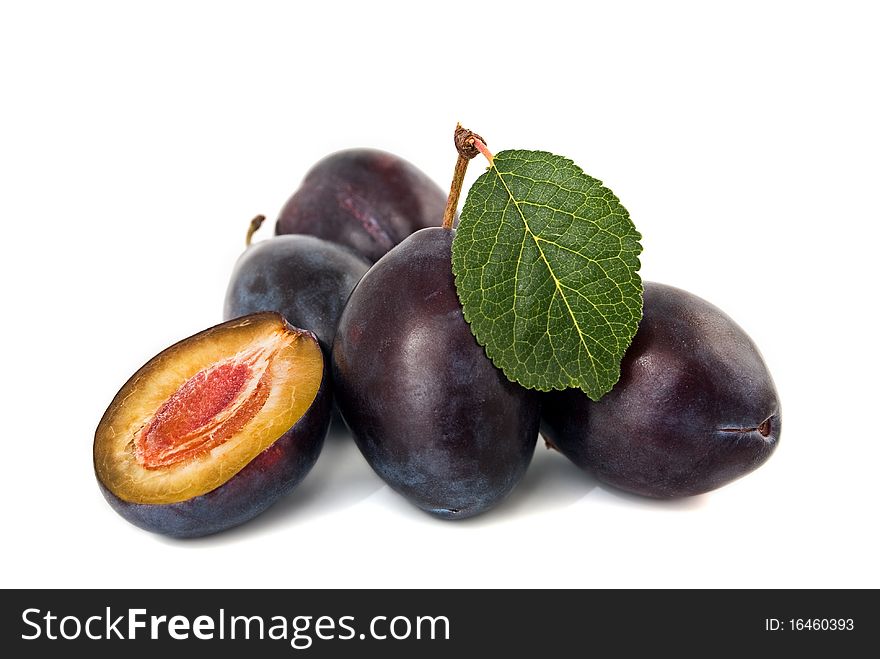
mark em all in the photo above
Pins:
pixel 430 412
pixel 305 279
pixel 695 407
pixel 365 199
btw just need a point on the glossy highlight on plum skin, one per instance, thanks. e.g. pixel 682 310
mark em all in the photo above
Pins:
pixel 264 457
pixel 430 412
pixel 695 407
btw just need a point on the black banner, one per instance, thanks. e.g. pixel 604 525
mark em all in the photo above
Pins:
pixel 435 623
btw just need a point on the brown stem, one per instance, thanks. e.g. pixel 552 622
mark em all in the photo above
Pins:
pixel 252 229
pixel 465 144
pixel 454 192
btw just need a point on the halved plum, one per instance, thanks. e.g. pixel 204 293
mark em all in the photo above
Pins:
pixel 216 428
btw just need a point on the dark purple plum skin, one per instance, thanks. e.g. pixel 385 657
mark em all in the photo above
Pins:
pixel 365 199
pixel 429 411
pixel 271 475
pixel 695 407
pixel 305 279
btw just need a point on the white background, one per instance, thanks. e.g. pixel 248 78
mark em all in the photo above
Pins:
pixel 138 139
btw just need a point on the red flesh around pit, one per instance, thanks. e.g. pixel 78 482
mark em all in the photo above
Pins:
pixel 207 410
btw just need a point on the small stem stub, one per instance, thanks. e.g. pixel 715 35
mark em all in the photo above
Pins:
pixel 466 145
pixel 548 443
pixel 255 224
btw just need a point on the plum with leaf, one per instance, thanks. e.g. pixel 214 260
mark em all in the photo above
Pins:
pixel 540 247
pixel 546 262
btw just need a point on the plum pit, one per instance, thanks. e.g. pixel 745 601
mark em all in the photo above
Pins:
pixel 207 410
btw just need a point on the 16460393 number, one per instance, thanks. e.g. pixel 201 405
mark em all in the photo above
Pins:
pixel 821 624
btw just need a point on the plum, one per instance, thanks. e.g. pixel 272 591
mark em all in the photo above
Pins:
pixel 216 428
pixel 695 407
pixel 427 408
pixel 365 199
pixel 305 279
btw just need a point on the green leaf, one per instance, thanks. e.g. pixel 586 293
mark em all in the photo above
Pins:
pixel 545 261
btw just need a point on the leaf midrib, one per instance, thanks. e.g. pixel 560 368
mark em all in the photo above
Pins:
pixel 550 270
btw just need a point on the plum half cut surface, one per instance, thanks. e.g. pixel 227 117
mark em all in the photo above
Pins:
pixel 216 428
